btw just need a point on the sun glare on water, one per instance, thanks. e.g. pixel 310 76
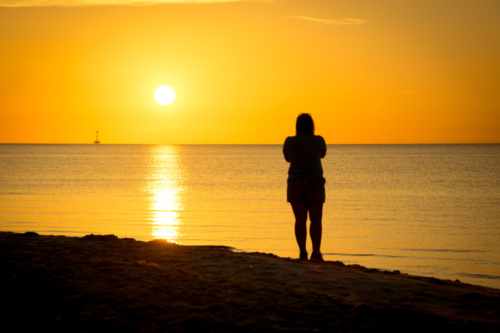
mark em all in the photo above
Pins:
pixel 164 95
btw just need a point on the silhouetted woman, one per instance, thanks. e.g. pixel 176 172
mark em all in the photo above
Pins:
pixel 306 185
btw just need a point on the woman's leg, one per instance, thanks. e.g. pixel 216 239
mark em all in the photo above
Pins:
pixel 300 212
pixel 316 229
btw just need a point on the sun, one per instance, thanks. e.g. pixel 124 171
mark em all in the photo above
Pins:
pixel 164 95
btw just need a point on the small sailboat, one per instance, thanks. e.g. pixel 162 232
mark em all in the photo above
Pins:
pixel 96 142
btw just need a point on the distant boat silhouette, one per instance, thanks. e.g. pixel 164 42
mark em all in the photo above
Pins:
pixel 96 142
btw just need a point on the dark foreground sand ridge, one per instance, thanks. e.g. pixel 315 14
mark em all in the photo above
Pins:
pixel 102 283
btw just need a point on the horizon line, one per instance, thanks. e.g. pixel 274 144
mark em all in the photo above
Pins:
pixel 243 144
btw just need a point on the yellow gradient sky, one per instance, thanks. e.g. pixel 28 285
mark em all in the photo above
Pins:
pixel 369 71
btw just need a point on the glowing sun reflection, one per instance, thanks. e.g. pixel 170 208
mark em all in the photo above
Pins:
pixel 165 185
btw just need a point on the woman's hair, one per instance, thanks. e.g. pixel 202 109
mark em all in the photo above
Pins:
pixel 305 124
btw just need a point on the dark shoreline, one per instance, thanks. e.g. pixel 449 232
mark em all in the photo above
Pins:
pixel 97 283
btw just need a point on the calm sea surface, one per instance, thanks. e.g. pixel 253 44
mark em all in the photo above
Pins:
pixel 431 210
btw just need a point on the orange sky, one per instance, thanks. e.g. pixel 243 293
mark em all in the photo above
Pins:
pixel 369 71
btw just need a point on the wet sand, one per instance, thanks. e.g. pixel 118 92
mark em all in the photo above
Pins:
pixel 102 283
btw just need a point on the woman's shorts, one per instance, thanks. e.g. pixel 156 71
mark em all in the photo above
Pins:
pixel 306 190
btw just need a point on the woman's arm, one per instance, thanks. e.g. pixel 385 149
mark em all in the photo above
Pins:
pixel 323 153
pixel 287 158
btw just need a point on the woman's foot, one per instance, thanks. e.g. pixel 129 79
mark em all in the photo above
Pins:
pixel 316 256
pixel 303 255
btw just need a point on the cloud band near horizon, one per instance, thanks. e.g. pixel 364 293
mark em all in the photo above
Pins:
pixel 343 21
pixel 77 3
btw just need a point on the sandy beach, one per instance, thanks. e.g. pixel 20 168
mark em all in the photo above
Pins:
pixel 102 283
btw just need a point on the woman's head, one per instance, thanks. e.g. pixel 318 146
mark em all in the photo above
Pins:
pixel 305 124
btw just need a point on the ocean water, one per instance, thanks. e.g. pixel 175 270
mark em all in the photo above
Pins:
pixel 429 210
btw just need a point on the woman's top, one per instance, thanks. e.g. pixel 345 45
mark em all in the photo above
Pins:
pixel 304 153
